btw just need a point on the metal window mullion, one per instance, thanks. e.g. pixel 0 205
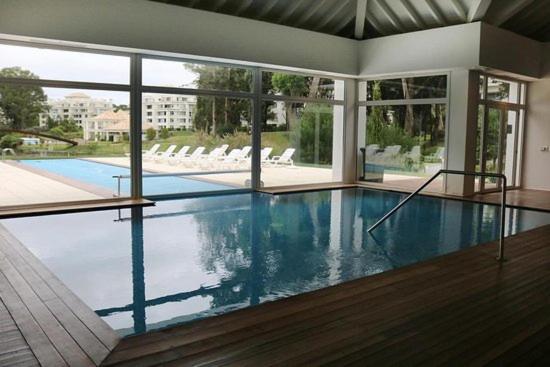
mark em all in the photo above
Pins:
pixel 272 98
pixel 256 131
pixel 402 102
pixel 49 83
pixel 135 127
pixel 199 92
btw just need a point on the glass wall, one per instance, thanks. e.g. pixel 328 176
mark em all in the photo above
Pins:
pixel 64 117
pixel 203 137
pixel 66 125
pixel 302 129
pixel 403 141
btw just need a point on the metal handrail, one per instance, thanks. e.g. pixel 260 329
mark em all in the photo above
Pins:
pixel 500 256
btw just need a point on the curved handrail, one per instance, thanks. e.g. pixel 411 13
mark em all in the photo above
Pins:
pixel 500 176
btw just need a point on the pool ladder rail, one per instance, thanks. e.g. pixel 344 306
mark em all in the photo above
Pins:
pixel 502 177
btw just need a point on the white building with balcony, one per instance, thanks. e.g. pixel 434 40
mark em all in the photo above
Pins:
pixel 77 107
pixel 110 126
pixel 174 112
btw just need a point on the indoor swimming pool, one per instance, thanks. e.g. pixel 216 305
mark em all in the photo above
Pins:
pixel 146 268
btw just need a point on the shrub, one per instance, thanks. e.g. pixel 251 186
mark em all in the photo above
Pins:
pixel 10 141
pixel 164 133
pixel 150 133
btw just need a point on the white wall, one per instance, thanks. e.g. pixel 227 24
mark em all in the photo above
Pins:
pixel 536 163
pixel 433 49
pixel 147 25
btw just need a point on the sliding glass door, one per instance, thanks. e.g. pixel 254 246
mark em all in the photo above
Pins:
pixel 500 128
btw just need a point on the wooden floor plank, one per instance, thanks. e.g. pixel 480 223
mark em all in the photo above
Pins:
pixel 105 334
pixel 88 342
pixel 14 350
pixel 35 337
pixel 463 307
pixel 56 333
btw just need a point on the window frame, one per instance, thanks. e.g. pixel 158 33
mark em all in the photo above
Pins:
pixel 404 102
pixel 136 89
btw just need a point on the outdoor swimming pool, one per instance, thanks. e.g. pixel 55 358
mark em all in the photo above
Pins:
pixel 153 267
pixel 101 175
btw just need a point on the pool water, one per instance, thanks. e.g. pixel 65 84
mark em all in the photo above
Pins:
pixel 101 175
pixel 147 268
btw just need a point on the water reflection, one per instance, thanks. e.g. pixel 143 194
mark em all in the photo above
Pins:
pixel 199 257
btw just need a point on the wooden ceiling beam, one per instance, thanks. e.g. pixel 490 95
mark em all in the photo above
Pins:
pixel 360 17
pixel 478 9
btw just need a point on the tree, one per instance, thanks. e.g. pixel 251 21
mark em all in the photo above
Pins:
pixel 150 133
pixel 220 115
pixel 164 133
pixel 21 105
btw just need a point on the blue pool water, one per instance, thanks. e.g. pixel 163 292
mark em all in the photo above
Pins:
pixel 101 175
pixel 192 258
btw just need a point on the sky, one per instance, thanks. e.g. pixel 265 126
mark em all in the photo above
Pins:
pixel 89 67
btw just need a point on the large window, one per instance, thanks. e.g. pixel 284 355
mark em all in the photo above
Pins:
pixel 64 116
pixel 69 126
pixel 302 129
pixel 198 127
pixel 402 139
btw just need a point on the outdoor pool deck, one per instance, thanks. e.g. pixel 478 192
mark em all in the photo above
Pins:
pixel 464 308
pixel 271 176
pixel 22 186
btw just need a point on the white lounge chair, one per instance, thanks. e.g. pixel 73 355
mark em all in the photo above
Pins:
pixel 284 159
pixel 161 156
pixel 190 159
pixel 150 153
pixel 414 154
pixel 175 157
pixel 206 160
pixel 231 159
pixel 438 156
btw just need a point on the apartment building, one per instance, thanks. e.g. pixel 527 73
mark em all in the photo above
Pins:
pixel 169 111
pixel 77 107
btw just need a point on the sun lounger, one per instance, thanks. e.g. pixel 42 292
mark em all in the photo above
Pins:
pixel 175 157
pixel 189 160
pixel 150 153
pixel 160 156
pixel 284 159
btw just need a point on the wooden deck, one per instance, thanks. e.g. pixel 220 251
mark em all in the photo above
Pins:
pixel 58 329
pixel 461 309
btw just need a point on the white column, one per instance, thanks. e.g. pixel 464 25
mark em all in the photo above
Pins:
pixel 461 131
pixel 344 136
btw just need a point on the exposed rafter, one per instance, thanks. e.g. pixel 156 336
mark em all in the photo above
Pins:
pixel 218 5
pixel 360 14
pixel 289 11
pixel 436 13
pixel 459 10
pixel 478 9
pixel 311 12
pixel 374 23
pixel 268 6
pixel 244 7
pixel 388 12
pixel 334 12
pixel 343 23
pixel 413 14
pixel 512 8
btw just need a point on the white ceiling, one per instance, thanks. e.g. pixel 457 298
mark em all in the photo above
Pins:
pixel 363 19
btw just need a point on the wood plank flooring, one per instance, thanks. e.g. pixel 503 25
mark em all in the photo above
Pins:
pixel 14 350
pixel 58 328
pixel 460 309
